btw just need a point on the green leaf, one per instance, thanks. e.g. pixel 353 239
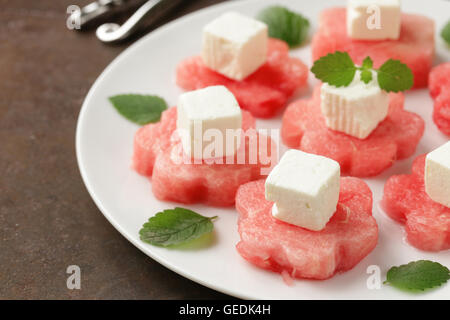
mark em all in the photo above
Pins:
pixel 175 226
pixel 367 63
pixel 366 76
pixel 141 109
pixel 395 76
pixel 335 68
pixel 445 33
pixel 418 275
pixel 284 24
pixel 366 70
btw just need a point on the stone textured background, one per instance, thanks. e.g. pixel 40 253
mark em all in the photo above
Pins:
pixel 47 219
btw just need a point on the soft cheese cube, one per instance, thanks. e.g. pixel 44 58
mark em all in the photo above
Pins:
pixel 373 19
pixel 437 175
pixel 355 110
pixel 209 121
pixel 234 45
pixel 305 189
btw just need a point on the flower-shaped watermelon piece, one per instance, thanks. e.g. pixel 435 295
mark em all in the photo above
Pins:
pixel 350 235
pixel 396 137
pixel 158 154
pixel 264 92
pixel 427 223
pixel 415 47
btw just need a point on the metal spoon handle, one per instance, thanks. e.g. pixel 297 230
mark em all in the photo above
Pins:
pixel 156 9
pixel 95 11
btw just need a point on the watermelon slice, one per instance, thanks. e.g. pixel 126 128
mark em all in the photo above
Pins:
pixel 158 153
pixel 439 84
pixel 349 236
pixel 427 222
pixel 396 137
pixel 415 47
pixel 264 92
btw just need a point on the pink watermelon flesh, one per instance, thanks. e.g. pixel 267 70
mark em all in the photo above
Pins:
pixel 415 47
pixel 264 92
pixel 349 236
pixel 427 223
pixel 158 153
pixel 439 84
pixel 396 137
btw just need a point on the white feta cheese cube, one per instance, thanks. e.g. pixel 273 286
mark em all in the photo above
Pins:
pixel 355 110
pixel 373 19
pixel 209 122
pixel 305 189
pixel 234 45
pixel 437 174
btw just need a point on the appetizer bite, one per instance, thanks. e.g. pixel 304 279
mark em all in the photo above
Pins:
pixel 202 150
pixel 238 54
pixel 439 85
pixel 421 200
pixel 304 220
pixel 378 29
pixel 356 117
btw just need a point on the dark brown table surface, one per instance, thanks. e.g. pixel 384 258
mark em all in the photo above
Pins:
pixel 47 218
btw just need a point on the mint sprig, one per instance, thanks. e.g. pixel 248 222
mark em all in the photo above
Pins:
pixel 141 109
pixel 418 275
pixel 338 69
pixel 175 226
pixel 445 33
pixel 285 24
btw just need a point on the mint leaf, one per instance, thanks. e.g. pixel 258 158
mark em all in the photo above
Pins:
pixel 395 76
pixel 335 68
pixel 445 33
pixel 366 76
pixel 418 275
pixel 141 109
pixel 284 24
pixel 367 63
pixel 366 70
pixel 175 226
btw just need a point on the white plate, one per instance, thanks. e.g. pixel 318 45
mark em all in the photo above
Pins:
pixel 104 148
